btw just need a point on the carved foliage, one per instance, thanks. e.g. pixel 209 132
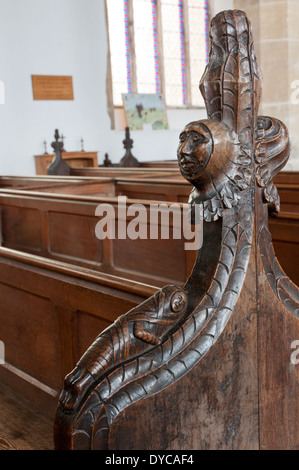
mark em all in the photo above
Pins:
pixel 231 87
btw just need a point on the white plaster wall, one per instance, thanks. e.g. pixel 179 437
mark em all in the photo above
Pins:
pixel 57 37
pixel 66 37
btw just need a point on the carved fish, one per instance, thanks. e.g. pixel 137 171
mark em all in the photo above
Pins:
pixel 134 333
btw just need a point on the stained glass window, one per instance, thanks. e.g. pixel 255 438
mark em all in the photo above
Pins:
pixel 158 46
pixel 118 51
pixel 198 46
pixel 144 46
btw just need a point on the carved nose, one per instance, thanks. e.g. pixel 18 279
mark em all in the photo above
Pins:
pixel 186 148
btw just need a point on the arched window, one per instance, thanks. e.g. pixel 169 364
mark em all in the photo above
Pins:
pixel 158 46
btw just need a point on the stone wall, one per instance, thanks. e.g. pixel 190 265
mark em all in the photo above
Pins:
pixel 275 26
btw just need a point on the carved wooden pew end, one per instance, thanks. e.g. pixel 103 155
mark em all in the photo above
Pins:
pixel 206 366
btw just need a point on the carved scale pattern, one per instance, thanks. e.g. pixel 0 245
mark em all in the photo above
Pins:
pixel 162 366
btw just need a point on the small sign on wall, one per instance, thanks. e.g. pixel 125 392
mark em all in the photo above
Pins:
pixel 52 87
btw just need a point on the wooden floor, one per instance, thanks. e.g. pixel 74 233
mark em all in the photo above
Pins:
pixel 22 426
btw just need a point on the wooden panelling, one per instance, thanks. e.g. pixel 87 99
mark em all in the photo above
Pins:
pixel 85 329
pixel 289 197
pixel 285 234
pixel 287 177
pixel 21 228
pixel 29 330
pixel 73 235
pixel 65 229
pixel 49 314
pixel 151 189
pixel 164 259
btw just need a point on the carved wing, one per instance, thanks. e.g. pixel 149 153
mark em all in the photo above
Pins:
pixel 231 84
pixel 231 88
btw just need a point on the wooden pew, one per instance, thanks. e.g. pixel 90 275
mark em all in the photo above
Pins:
pixel 59 285
pixel 289 197
pixel 50 312
pixel 172 190
pixel 164 189
pixel 285 234
pixel 287 177
pixel 138 172
pixel 160 164
pixel 74 159
pixel 62 227
pixel 60 185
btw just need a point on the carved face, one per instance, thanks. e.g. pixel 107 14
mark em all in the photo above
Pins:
pixel 195 149
pixel 179 301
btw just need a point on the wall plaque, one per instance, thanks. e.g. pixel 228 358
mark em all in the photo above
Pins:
pixel 52 87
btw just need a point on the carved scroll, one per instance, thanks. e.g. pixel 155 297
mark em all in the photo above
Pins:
pixel 230 159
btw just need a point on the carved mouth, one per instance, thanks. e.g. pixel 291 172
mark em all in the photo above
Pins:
pixel 187 164
pixel 189 167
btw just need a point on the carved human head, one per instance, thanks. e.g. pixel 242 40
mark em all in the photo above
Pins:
pixel 195 150
pixel 206 153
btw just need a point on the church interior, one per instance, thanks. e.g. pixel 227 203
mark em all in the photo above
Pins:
pixel 113 335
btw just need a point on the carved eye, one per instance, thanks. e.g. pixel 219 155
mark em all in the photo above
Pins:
pixel 178 302
pixel 183 136
pixel 196 138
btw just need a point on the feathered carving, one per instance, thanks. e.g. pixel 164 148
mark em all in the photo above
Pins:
pixel 219 156
pixel 231 87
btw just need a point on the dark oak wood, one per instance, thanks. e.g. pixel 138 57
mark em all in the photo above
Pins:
pixel 212 369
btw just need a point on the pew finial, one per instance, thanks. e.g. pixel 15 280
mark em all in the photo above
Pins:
pixel 203 365
pixel 58 166
pixel 107 162
pixel 128 159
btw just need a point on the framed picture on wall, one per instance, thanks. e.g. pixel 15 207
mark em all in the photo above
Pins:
pixel 145 111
